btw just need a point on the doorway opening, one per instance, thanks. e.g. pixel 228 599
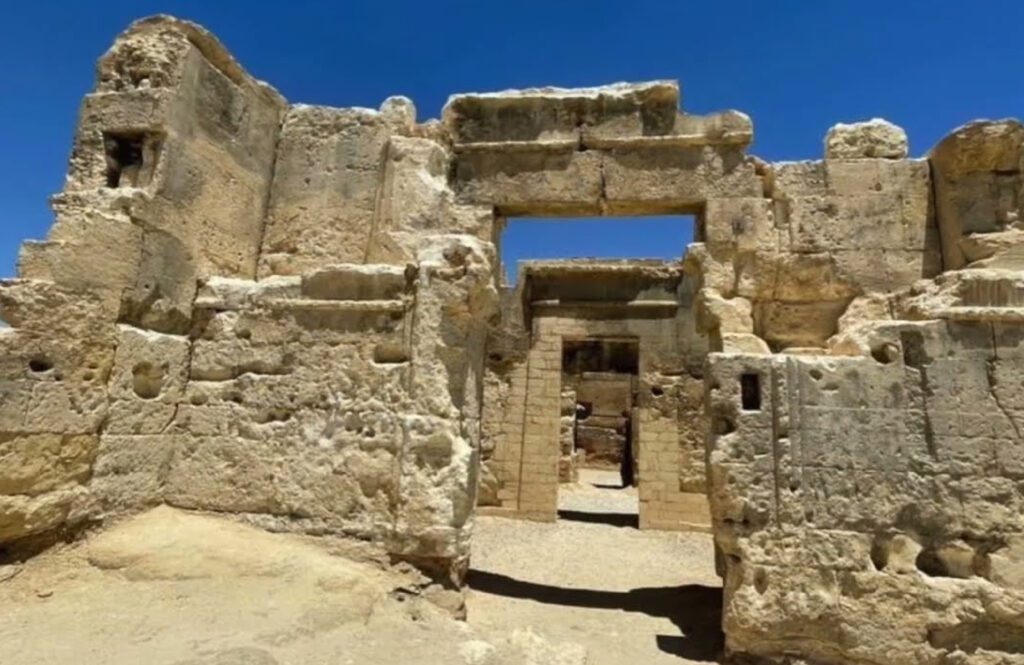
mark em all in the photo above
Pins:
pixel 599 431
pixel 591 389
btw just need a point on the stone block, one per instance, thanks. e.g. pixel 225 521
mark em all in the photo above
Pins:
pixel 148 381
pixel 533 182
pixel 130 470
pixel 323 200
pixel 666 180
pixel 34 464
pixel 873 139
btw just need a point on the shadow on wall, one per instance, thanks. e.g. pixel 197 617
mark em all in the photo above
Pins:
pixel 694 609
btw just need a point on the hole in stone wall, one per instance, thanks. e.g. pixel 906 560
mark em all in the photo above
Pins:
pixel 885 353
pixel 653 237
pixel 721 425
pixel 657 391
pixel 124 157
pixel 879 554
pixel 914 352
pixel 40 364
pixel 929 563
pixel 761 580
pixel 750 392
pixel 390 353
pixel 147 380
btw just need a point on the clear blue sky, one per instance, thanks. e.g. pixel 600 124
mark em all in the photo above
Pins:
pixel 796 67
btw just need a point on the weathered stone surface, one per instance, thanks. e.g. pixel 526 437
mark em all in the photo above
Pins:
pixel 978 193
pixel 871 139
pixel 324 198
pixel 293 314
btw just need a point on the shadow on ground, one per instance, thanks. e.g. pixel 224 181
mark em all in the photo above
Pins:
pixel 631 520
pixel 695 610
pixel 607 486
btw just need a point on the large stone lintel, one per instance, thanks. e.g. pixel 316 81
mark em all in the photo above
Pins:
pixel 636 115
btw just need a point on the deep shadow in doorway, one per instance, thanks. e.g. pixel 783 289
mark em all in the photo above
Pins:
pixel 694 609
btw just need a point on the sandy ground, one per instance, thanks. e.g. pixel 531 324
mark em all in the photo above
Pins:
pixel 630 596
pixel 175 588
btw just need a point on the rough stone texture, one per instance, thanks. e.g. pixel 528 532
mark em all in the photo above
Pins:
pixel 861 480
pixel 872 139
pixel 979 196
pixel 618 149
pixel 293 314
pixel 148 364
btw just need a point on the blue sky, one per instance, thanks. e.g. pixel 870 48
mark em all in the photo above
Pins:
pixel 796 67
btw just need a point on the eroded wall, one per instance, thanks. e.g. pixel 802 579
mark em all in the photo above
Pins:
pixel 866 509
pixel 247 307
pixel 290 313
pixel 863 487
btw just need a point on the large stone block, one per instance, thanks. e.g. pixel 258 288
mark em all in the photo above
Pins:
pixel 978 185
pixel 329 171
pixel 147 382
pixel 534 182
pixel 130 471
pixel 555 115
pixel 674 179
pixel 34 464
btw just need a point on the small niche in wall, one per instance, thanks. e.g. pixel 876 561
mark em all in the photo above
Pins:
pixel 750 392
pixel 130 158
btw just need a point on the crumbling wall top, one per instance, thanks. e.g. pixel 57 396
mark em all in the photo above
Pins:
pixel 137 60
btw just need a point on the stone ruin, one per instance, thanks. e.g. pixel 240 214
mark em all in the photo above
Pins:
pixel 293 314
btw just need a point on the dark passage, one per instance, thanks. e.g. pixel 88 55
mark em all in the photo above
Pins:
pixel 694 609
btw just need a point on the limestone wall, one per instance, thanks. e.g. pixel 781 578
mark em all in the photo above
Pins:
pixel 866 502
pixel 829 238
pixel 857 482
pixel 166 185
pixel 291 313
pixel 146 363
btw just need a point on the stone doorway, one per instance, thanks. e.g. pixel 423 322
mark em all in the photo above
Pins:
pixel 598 400
pixel 623 330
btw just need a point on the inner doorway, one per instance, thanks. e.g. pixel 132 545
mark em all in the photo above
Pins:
pixel 599 431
